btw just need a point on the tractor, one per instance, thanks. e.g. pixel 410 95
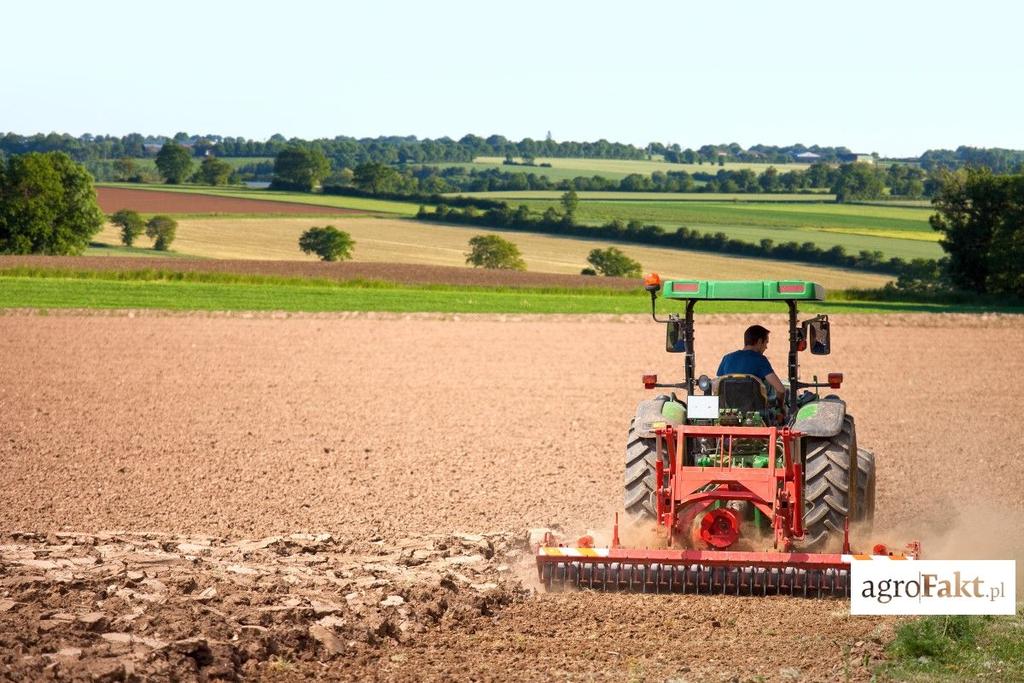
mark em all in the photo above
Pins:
pixel 752 493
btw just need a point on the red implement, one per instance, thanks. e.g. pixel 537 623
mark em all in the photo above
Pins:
pixel 702 511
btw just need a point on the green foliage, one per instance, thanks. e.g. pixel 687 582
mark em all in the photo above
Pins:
pixel 161 229
pixel 981 216
pixel 934 636
pixel 956 648
pixel 125 169
pixel 329 243
pixel 299 168
pixel 611 262
pixel 858 181
pixel 382 179
pixel 131 225
pixel 214 171
pixel 493 251
pixel 174 163
pixel 47 205
pixel 570 202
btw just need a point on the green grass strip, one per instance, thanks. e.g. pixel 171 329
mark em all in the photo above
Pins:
pixel 957 648
pixel 240 293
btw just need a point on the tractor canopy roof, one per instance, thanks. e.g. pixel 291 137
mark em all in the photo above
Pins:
pixel 743 290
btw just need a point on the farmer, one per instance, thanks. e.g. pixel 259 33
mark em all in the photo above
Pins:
pixel 750 360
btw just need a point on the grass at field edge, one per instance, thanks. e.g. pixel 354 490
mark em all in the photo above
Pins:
pixel 225 292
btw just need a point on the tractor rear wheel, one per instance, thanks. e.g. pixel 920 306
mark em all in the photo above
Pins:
pixel 865 486
pixel 640 478
pixel 828 495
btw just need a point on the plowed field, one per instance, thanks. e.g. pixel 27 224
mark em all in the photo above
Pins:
pixel 113 199
pixel 348 496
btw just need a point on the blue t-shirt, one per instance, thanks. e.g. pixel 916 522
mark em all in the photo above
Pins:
pixel 745 362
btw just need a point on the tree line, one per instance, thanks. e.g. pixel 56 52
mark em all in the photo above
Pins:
pixel 857 181
pixel 348 152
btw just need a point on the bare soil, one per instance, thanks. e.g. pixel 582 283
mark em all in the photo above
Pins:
pixel 113 199
pixel 403 273
pixel 347 496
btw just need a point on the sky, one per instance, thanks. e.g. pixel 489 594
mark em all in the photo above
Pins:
pixel 892 77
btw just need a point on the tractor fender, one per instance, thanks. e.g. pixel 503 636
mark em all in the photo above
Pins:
pixel 822 418
pixel 656 413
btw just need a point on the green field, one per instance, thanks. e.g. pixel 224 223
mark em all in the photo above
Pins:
pixel 894 230
pixel 747 198
pixel 213 293
pixel 236 162
pixel 566 168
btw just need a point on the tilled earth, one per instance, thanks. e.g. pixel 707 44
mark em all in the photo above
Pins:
pixel 349 496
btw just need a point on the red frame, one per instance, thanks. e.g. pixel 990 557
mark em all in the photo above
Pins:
pixel 776 491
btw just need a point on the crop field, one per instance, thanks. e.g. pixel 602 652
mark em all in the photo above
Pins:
pixel 348 495
pixel 236 162
pixel 409 241
pixel 566 168
pixel 894 230
pixel 555 195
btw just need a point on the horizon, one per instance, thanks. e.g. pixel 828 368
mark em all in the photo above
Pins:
pixel 209 136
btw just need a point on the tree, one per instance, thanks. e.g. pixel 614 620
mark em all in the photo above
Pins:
pixel 214 171
pixel 174 163
pixel 125 169
pixel 570 201
pixel 299 168
pixel 377 178
pixel 161 229
pixel 47 205
pixel 131 225
pixel 611 262
pixel 493 251
pixel 329 243
pixel 858 181
pixel 981 216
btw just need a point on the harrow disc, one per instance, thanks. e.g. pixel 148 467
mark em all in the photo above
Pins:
pixel 639 577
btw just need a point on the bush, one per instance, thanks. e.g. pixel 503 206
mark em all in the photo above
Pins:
pixel 935 636
pixel 131 225
pixel 161 229
pixel 492 251
pixel 611 262
pixel 329 243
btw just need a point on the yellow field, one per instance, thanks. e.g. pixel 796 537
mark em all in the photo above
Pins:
pixel 891 234
pixel 408 241
pixel 626 166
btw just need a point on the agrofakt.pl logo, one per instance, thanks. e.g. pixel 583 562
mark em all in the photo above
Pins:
pixel 933 587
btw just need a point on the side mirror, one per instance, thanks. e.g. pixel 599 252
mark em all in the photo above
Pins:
pixel 816 332
pixel 675 337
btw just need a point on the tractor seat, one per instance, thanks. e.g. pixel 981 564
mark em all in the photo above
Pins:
pixel 742 392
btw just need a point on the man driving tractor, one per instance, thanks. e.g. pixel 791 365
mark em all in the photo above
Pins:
pixel 750 360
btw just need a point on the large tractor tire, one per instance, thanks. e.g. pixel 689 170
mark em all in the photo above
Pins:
pixel 828 495
pixel 640 477
pixel 865 487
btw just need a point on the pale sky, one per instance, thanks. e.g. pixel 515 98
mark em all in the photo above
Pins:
pixel 891 77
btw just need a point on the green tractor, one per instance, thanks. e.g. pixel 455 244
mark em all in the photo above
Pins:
pixel 836 478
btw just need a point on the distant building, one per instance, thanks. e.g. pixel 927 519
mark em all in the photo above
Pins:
pixel 807 157
pixel 855 157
